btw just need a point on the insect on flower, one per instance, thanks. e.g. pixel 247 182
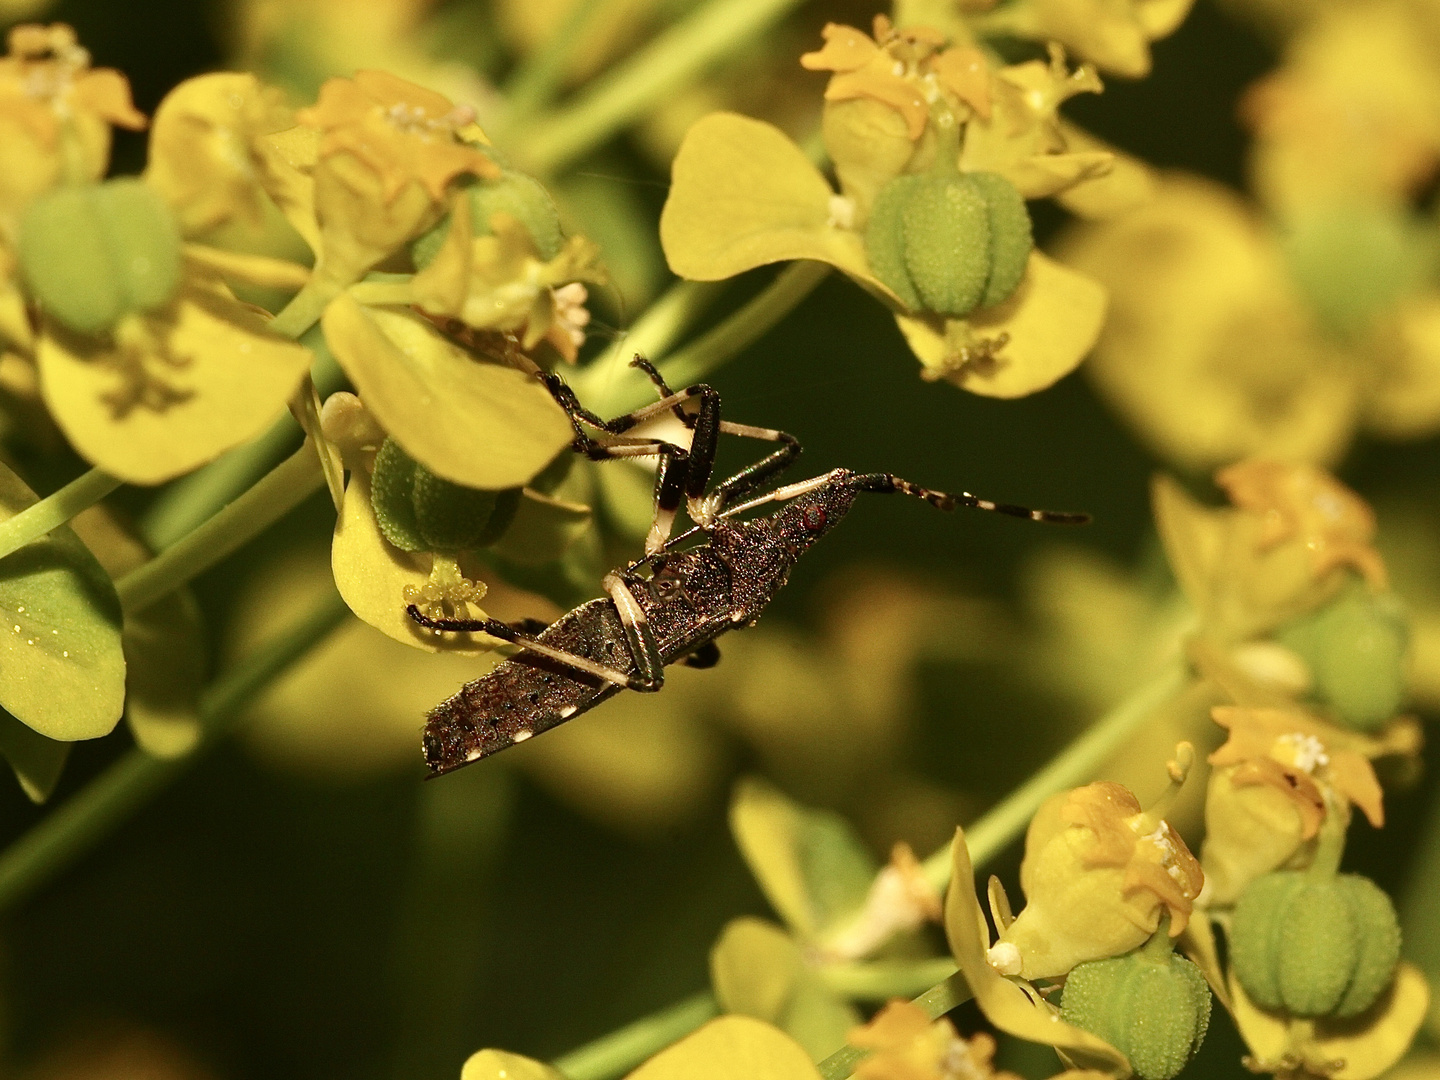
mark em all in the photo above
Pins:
pixel 669 606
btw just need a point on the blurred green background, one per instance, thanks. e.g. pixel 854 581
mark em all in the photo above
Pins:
pixel 257 923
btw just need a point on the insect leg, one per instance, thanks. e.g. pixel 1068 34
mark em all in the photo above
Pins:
pixel 644 648
pixel 789 491
pixel 496 628
pixel 753 475
pixel 886 483
pixel 706 655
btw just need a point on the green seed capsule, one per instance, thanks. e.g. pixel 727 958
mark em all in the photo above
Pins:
pixel 1312 946
pixel 949 243
pixel 1355 648
pixel 1151 1005
pixel 418 511
pixel 95 253
pixel 522 197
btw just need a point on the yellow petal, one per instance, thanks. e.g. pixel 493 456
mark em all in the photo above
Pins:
pixel 731 1048
pixel 467 420
pixel 1404 402
pixel 1048 326
pixel 743 195
pixel 287 159
pixel 372 575
pixel 231 374
pixel 1126 185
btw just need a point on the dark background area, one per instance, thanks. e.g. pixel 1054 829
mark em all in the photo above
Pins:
pixel 284 929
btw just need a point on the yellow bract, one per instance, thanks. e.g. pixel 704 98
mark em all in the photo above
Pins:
pixel 473 422
pixel 173 390
pixel 1113 34
pixel 908 1045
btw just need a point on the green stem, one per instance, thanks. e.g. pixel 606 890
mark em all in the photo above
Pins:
pixel 937 1001
pixel 745 326
pixel 701 357
pixel 610 1055
pixel 627 92
pixel 305 307
pixel 279 492
pixel 132 781
pixel 54 510
pixel 609 383
pixel 880 980
pixel 1074 765
pixel 535 79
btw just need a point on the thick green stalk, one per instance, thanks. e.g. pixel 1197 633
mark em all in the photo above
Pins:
pixel 279 492
pixel 54 510
pixel 610 1055
pixel 1074 765
pixel 87 817
pixel 627 92
pixel 880 980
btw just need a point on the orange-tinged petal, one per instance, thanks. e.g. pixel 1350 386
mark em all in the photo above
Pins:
pixel 106 93
pixel 877 81
pixel 845 49
pixel 964 72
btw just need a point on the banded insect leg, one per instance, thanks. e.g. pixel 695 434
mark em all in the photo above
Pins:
pixel 888 483
pixel 509 634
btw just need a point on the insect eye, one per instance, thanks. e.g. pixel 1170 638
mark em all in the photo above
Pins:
pixel 813 518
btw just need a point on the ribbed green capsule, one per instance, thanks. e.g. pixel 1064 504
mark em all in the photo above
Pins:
pixel 419 511
pixel 949 243
pixel 1151 1005
pixel 1314 946
pixel 522 197
pixel 1355 648
pixel 93 253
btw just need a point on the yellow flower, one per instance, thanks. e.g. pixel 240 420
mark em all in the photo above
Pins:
pixel 500 282
pixel 55 114
pixel 743 195
pixel 1288 546
pixel 1228 340
pixel 1099 875
pixel 385 154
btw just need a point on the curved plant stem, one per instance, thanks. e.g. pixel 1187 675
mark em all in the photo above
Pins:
pixel 612 1054
pixel 132 781
pixel 880 980
pixel 782 296
pixel 627 92
pixel 54 510
pixel 701 357
pixel 279 492
pixel 305 307
pixel 1074 765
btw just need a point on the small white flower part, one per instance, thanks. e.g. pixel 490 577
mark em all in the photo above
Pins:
pixel 900 898
pixel 1305 752
pixel 1273 666
pixel 1004 957
pixel 571 314
pixel 842 212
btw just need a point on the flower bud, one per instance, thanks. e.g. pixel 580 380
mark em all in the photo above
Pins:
pixel 949 242
pixel 1355 648
pixel 522 197
pixel 419 511
pixel 94 253
pixel 1151 1005
pixel 1314 945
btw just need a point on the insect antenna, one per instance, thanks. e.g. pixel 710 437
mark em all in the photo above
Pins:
pixel 887 483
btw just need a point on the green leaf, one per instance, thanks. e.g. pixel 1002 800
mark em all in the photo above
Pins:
pixel 62 669
pixel 472 422
pixel 730 1048
pixel 499 1065
pixel 812 868
pixel 37 761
